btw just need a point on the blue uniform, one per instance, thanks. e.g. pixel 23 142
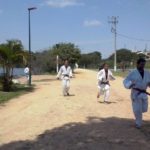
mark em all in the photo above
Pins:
pixel 135 81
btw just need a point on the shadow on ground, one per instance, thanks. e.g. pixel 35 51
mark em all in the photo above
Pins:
pixel 102 102
pixel 96 134
pixel 77 72
pixel 44 80
pixel 24 88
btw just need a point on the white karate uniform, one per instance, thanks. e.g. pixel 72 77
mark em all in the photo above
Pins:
pixel 65 74
pixel 26 71
pixel 139 99
pixel 104 88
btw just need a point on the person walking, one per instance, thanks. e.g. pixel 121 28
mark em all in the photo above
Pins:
pixel 104 76
pixel 138 81
pixel 26 71
pixel 65 73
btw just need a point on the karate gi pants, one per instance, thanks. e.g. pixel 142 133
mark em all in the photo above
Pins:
pixel 139 105
pixel 104 89
pixel 65 86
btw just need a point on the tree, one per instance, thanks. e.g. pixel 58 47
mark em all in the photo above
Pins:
pixel 11 54
pixel 45 61
pixel 66 51
pixel 124 58
pixel 90 60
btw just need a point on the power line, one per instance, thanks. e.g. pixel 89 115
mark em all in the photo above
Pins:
pixel 133 38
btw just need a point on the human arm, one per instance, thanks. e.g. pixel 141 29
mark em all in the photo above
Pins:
pixel 70 73
pixel 59 73
pixel 111 76
pixel 99 76
pixel 26 70
pixel 129 82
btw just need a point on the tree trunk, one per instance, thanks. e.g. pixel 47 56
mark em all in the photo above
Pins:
pixel 7 80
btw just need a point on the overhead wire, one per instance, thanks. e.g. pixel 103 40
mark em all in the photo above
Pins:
pixel 133 38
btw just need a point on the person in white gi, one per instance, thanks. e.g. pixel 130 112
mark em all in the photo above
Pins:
pixel 103 76
pixel 26 71
pixel 76 66
pixel 65 73
pixel 138 80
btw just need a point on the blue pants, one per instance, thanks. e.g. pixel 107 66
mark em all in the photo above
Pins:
pixel 139 105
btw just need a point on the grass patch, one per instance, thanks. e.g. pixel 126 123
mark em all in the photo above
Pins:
pixel 48 73
pixel 17 91
pixel 117 73
pixel 120 73
pixel 44 80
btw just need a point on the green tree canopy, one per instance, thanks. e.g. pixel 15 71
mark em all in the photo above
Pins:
pixel 66 51
pixel 122 55
pixel 124 58
pixel 90 60
pixel 11 54
pixel 45 61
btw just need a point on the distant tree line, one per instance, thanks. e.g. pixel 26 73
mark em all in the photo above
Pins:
pixel 90 60
pixel 13 54
pixel 45 61
pixel 125 59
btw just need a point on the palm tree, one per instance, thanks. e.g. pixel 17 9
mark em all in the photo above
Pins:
pixel 11 54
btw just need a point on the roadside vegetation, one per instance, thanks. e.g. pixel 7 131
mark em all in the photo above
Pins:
pixel 17 90
pixel 13 55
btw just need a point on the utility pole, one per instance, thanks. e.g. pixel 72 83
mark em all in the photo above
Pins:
pixel 114 20
pixel 57 63
pixel 145 48
pixel 135 49
pixel 29 10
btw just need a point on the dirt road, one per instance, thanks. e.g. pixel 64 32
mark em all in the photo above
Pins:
pixel 45 120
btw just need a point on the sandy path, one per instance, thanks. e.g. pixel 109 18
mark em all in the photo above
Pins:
pixel 45 120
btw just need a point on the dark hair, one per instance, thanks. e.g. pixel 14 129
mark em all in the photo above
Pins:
pixel 140 60
pixel 66 60
pixel 102 66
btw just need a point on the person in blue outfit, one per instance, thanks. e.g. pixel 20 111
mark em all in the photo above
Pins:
pixel 138 81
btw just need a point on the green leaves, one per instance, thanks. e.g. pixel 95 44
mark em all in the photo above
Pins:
pixel 90 60
pixel 11 55
pixel 125 58
pixel 66 51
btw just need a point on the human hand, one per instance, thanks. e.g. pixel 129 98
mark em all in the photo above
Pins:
pixel 133 82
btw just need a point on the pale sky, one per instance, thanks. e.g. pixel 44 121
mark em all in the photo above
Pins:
pixel 83 22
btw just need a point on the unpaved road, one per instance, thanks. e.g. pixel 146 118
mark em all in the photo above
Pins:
pixel 45 120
